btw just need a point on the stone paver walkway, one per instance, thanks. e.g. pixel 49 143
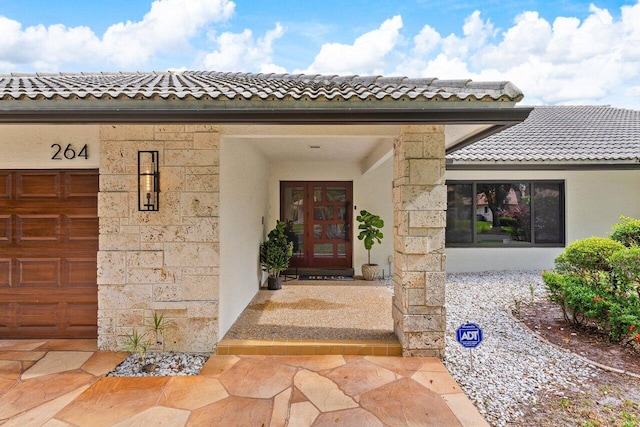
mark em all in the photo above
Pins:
pixel 61 383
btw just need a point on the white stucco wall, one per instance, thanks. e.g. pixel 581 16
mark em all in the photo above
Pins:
pixel 244 174
pixel 371 192
pixel 594 200
pixel 29 146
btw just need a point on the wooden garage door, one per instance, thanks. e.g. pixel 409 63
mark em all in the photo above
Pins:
pixel 48 250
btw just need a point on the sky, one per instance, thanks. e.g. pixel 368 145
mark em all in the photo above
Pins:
pixel 557 52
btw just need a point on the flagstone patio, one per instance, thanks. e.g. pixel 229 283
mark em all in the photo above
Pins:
pixel 62 383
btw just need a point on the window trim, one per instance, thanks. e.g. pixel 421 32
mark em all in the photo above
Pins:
pixel 530 183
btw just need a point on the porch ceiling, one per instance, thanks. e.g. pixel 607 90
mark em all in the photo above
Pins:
pixel 368 144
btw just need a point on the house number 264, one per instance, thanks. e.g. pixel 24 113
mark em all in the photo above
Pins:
pixel 68 152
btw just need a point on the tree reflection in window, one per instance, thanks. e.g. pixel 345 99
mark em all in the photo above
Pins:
pixel 505 213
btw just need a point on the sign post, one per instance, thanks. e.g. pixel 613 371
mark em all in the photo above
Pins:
pixel 469 335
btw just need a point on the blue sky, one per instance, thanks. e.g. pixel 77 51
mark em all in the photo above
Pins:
pixel 563 52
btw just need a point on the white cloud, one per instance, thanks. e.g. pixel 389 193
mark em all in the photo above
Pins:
pixel 166 27
pixel 365 56
pixel 426 41
pixel 596 60
pixel 242 52
pixel 475 31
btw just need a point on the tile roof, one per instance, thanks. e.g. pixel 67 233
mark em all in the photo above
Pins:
pixel 562 134
pixel 211 85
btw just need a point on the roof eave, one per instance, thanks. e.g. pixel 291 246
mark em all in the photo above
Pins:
pixel 500 117
pixel 544 165
pixel 522 112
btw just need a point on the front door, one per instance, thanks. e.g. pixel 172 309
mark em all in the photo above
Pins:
pixel 318 217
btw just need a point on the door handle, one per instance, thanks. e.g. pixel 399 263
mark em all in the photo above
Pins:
pixel 347 224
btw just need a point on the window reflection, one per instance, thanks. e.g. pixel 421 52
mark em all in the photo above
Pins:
pixel 498 213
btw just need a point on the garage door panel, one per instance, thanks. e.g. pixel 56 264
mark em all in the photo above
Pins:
pixel 38 272
pixel 5 316
pixel 5 229
pixel 5 272
pixel 42 185
pixel 82 227
pixel 81 271
pixel 81 184
pixel 5 185
pixel 43 316
pixel 38 228
pixel 78 315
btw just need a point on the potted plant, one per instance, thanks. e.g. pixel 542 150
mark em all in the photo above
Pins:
pixel 275 253
pixel 370 233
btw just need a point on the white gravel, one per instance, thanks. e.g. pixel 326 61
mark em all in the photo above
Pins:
pixel 160 364
pixel 511 368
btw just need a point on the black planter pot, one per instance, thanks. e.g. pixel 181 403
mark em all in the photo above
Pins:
pixel 274 283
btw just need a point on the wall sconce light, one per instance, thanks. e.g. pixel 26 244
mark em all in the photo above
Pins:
pixel 148 181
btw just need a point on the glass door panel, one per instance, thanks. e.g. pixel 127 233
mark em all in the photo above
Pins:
pixel 294 216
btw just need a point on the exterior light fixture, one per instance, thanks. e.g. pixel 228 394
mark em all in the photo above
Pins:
pixel 148 181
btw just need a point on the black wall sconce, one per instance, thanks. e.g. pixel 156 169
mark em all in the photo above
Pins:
pixel 148 181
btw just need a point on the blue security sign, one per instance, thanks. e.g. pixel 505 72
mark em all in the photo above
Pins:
pixel 469 335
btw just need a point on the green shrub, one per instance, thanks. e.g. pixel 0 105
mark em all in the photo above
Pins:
pixel 595 300
pixel 587 257
pixel 597 282
pixel 625 266
pixel 627 231
pixel 483 226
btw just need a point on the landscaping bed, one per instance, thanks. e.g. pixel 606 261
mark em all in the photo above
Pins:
pixel 517 378
pixel 545 319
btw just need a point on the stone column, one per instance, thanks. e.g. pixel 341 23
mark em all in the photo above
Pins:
pixel 165 261
pixel 420 201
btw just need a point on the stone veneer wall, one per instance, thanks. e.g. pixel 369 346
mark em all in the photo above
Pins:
pixel 167 261
pixel 420 202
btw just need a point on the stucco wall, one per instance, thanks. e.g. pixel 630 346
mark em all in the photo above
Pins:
pixel 30 146
pixel 371 192
pixel 244 174
pixel 595 199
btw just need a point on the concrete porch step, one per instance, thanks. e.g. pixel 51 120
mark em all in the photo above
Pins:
pixel 310 347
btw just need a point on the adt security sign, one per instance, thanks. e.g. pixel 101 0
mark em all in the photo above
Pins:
pixel 469 335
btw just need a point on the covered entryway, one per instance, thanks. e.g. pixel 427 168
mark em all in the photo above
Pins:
pixel 48 250
pixel 316 317
pixel 318 222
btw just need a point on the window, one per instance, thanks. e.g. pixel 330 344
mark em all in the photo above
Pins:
pixel 516 213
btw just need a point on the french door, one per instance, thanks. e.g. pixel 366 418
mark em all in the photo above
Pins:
pixel 318 218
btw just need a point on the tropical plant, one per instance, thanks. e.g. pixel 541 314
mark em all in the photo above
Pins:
pixel 370 233
pixel 276 251
pixel 135 343
pixel 158 325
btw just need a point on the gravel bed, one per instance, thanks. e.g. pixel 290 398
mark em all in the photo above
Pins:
pixel 511 369
pixel 159 364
